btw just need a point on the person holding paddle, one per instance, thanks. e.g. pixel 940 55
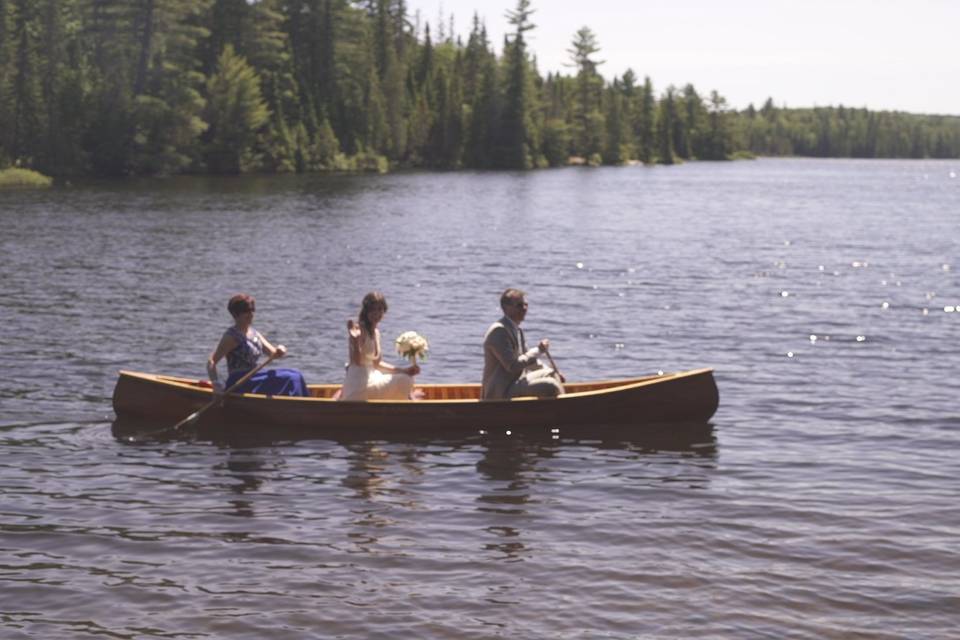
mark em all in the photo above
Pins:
pixel 510 370
pixel 242 345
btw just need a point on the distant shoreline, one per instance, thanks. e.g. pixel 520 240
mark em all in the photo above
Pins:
pixel 41 181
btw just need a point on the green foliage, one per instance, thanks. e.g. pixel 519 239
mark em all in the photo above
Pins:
pixel 17 178
pixel 589 120
pixel 843 132
pixel 516 131
pixel 557 139
pixel 120 87
pixel 236 112
pixel 666 115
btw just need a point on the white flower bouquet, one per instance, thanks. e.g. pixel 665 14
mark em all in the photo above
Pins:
pixel 412 345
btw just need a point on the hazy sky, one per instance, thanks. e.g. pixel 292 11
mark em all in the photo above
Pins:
pixel 880 54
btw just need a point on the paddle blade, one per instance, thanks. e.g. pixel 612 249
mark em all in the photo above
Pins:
pixel 190 418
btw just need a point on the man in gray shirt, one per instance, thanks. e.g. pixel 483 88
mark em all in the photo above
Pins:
pixel 510 370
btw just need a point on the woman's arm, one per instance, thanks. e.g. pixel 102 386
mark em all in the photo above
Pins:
pixel 227 344
pixel 279 350
pixel 386 367
pixel 353 341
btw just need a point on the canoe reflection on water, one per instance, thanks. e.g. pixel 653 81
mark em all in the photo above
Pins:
pixel 376 486
pixel 695 438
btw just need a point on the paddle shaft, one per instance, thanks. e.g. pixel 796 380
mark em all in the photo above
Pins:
pixel 554 365
pixel 196 414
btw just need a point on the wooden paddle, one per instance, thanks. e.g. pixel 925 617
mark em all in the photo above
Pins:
pixel 554 365
pixel 196 414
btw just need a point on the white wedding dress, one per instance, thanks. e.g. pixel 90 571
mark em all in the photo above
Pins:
pixel 365 382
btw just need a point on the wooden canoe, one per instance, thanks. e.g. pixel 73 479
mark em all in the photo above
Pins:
pixel 689 396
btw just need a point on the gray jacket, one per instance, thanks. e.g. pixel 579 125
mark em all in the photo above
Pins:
pixel 504 359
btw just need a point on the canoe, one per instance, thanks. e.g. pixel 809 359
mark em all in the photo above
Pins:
pixel 689 396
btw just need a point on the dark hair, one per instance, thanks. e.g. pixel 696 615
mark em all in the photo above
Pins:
pixel 509 296
pixel 241 303
pixel 371 300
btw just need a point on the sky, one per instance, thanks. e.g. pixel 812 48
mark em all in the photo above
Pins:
pixel 881 54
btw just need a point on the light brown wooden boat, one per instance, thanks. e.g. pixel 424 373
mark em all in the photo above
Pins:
pixel 689 396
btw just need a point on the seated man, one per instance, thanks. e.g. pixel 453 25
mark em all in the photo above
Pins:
pixel 509 369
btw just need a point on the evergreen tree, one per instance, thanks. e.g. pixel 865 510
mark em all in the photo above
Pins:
pixel 644 128
pixel 617 150
pixel 718 146
pixel 168 104
pixel 485 117
pixel 63 81
pixel 516 130
pixel 25 90
pixel 235 111
pixel 588 117
pixel 666 111
pixel 6 86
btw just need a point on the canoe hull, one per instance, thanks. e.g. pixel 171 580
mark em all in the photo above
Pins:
pixel 683 397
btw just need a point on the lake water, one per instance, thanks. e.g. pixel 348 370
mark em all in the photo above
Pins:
pixel 821 501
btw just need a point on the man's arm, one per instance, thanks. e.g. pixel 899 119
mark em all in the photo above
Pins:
pixel 500 346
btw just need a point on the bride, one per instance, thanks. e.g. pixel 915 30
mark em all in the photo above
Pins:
pixel 368 377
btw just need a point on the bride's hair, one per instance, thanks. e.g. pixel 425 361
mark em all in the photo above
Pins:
pixel 371 300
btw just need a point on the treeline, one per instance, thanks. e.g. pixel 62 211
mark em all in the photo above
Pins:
pixel 838 132
pixel 122 87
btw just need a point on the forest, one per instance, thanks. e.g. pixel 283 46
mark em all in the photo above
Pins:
pixel 160 87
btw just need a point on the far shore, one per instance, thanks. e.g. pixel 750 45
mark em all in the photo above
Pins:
pixel 15 178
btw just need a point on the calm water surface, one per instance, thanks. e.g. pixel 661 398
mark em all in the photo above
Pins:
pixel 821 502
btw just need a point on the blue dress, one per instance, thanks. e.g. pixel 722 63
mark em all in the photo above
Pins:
pixel 272 382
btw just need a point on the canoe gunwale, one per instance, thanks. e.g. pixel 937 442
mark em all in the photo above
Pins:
pixel 615 386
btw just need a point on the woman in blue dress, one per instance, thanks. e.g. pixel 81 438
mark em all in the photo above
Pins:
pixel 242 345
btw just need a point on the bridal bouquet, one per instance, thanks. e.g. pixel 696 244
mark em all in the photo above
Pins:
pixel 412 345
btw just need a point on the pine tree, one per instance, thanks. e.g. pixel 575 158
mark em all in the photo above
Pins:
pixel 6 86
pixel 167 85
pixel 616 151
pixel 485 116
pixel 665 115
pixel 718 146
pixel 694 118
pixel 25 90
pixel 644 130
pixel 682 144
pixel 589 120
pixel 63 82
pixel 235 111
pixel 516 132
